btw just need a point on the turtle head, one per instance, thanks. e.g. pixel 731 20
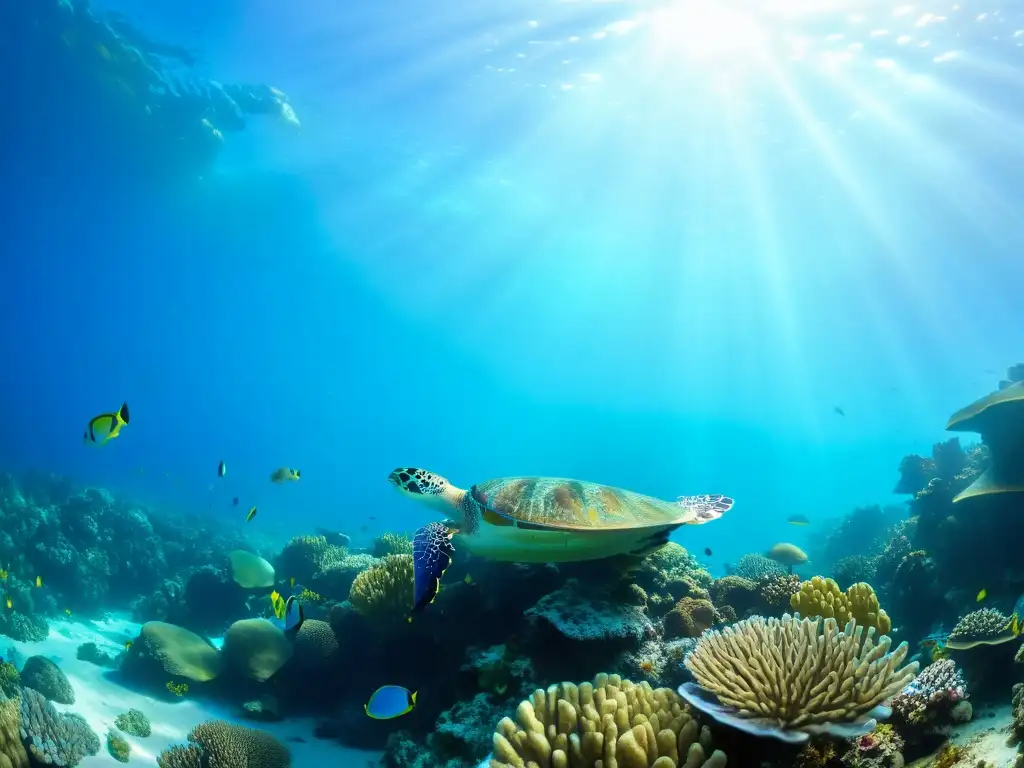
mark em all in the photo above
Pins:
pixel 426 487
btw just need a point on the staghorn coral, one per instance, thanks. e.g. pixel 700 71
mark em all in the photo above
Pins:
pixel 756 566
pixel 391 544
pixel 384 591
pixel 219 744
pixel 118 747
pixel 53 738
pixel 133 722
pixel 689 618
pixel 46 677
pixel 791 677
pixel 984 627
pixel 608 722
pixel 255 648
pixel 822 597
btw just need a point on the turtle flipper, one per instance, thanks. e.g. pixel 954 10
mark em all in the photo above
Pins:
pixel 432 552
pixel 705 508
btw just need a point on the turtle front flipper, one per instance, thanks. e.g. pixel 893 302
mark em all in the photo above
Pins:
pixel 705 508
pixel 432 553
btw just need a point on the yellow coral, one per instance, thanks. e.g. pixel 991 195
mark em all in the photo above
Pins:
pixel 823 597
pixel 609 722
pixel 384 591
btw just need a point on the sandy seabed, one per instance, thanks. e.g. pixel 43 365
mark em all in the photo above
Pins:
pixel 100 699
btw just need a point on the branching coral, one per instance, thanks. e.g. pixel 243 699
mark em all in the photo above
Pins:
pixel 134 723
pixel 823 597
pixel 776 590
pixel 219 744
pixel 305 556
pixel 53 738
pixel 384 591
pixel 791 677
pixel 985 627
pixel 391 544
pixel 755 566
pixel 608 722
pixel 46 677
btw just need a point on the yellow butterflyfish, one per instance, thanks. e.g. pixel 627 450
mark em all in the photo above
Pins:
pixel 39 581
pixel 981 595
pixel 105 427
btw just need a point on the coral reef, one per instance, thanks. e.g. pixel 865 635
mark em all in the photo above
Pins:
pixel 226 745
pixel 983 627
pixel 306 556
pixel 118 747
pixel 391 544
pixel 932 703
pixel 580 614
pixel 91 652
pixel 28 628
pixel 384 591
pixel 689 618
pixel 46 677
pixel 854 568
pixel 256 649
pixel 823 597
pixel 791 677
pixel 52 738
pixel 881 748
pixel 133 722
pixel 607 722
pixel 10 680
pixel 12 751
pixel 754 566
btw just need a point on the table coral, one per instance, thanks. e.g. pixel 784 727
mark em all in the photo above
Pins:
pixel 608 722
pixel 788 678
pixel 984 627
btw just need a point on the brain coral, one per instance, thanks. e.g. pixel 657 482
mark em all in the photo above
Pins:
pixel 823 597
pixel 608 722
pixel 53 738
pixel 314 642
pixel 384 591
pixel 46 677
pixel 755 566
pixel 791 677
pixel 218 744
pixel 256 648
pixel 250 570
pixel 182 653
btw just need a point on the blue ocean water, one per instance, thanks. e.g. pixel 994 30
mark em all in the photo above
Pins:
pixel 634 243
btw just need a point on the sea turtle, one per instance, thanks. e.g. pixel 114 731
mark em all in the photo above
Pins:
pixel 546 519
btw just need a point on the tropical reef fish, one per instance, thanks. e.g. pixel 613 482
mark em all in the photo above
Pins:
pixel 222 469
pixel 981 595
pixel 798 520
pixel 390 701
pixel 284 475
pixel 250 514
pixel 291 615
pixel 277 604
pixel 128 645
pixel 839 410
pixel 787 554
pixel 10 603
pixel 106 426
pixel 39 581
pixel 707 551
pixel 234 502
pixel 291 582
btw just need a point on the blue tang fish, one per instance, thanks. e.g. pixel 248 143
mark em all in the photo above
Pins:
pixel 432 552
pixel 390 701
pixel 292 618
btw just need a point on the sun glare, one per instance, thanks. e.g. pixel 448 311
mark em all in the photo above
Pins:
pixel 705 30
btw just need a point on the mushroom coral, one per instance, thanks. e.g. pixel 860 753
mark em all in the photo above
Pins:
pixel 610 722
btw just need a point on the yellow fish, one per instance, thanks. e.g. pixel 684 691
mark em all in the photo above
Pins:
pixel 981 595
pixel 1014 625
pixel 468 580
pixel 278 604
pixel 10 603
pixel 39 581
pixel 127 645
pixel 284 475
pixel 67 611
pixel 106 426
pixel 250 514
pixel 3 574
pixel 291 582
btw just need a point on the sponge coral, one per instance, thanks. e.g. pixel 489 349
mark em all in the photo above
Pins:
pixel 608 722
pixel 384 591
pixel 220 744
pixel 689 618
pixel 46 677
pixel 792 677
pixel 823 597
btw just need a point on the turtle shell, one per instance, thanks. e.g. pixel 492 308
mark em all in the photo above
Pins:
pixel 557 503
